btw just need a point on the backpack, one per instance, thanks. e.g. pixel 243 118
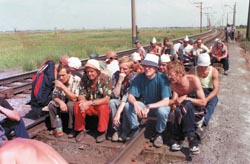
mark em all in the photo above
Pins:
pixel 43 85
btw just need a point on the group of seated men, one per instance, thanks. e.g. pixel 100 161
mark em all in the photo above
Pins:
pixel 123 91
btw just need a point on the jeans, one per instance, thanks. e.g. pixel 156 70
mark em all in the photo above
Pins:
pixel 113 105
pixel 17 126
pixel 210 105
pixel 161 114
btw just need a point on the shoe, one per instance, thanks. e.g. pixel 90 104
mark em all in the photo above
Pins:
pixel 101 137
pixel 134 132
pixel 194 150
pixel 115 137
pixel 52 132
pixel 158 141
pixel 81 136
pixel 177 146
pixel 193 145
pixel 72 134
pixel 123 138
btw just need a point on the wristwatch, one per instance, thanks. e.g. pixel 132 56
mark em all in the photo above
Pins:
pixel 147 106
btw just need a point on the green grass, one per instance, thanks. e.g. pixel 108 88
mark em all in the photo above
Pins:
pixel 29 49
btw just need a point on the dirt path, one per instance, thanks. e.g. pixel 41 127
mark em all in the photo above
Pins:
pixel 227 140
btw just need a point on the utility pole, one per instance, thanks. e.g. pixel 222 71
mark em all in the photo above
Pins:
pixel 248 23
pixel 227 18
pixel 133 21
pixel 234 14
pixel 200 5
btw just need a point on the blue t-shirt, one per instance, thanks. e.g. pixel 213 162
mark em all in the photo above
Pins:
pixel 150 90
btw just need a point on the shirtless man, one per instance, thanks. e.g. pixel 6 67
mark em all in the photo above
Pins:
pixel 183 86
pixel 28 151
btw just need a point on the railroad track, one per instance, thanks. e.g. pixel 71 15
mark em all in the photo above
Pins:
pixel 21 83
pixel 120 153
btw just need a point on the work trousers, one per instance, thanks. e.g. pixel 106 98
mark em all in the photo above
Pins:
pixel 224 62
pixel 184 125
pixel 102 111
pixel 54 110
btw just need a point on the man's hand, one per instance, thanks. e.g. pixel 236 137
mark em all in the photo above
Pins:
pixel 181 99
pixel 138 110
pixel 116 120
pixel 59 84
pixel 145 112
pixel 63 106
pixel 121 77
pixel 84 105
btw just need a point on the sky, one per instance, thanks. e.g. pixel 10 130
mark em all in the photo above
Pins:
pixel 104 14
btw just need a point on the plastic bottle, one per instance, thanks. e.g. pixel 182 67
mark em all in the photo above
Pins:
pixel 59 128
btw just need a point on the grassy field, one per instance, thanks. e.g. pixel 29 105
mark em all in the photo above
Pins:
pixel 27 50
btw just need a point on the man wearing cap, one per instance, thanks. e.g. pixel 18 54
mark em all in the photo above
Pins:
pixel 140 49
pixel 185 49
pixel 164 60
pixel 188 100
pixel 154 48
pixel 102 64
pixel 149 95
pixel 209 78
pixel 63 97
pixel 112 62
pixel 95 93
pixel 121 82
pixel 137 62
pixel 74 64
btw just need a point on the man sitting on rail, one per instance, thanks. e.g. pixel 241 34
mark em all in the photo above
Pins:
pixel 185 51
pixel 94 97
pixel 137 62
pixel 74 64
pixel 140 49
pixel 184 88
pixel 209 78
pixel 154 48
pixel 112 62
pixel 13 121
pixel 121 82
pixel 198 49
pixel 63 97
pixel 164 60
pixel 219 54
pixel 149 95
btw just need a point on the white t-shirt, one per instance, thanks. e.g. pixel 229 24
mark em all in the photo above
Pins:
pixel 113 67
